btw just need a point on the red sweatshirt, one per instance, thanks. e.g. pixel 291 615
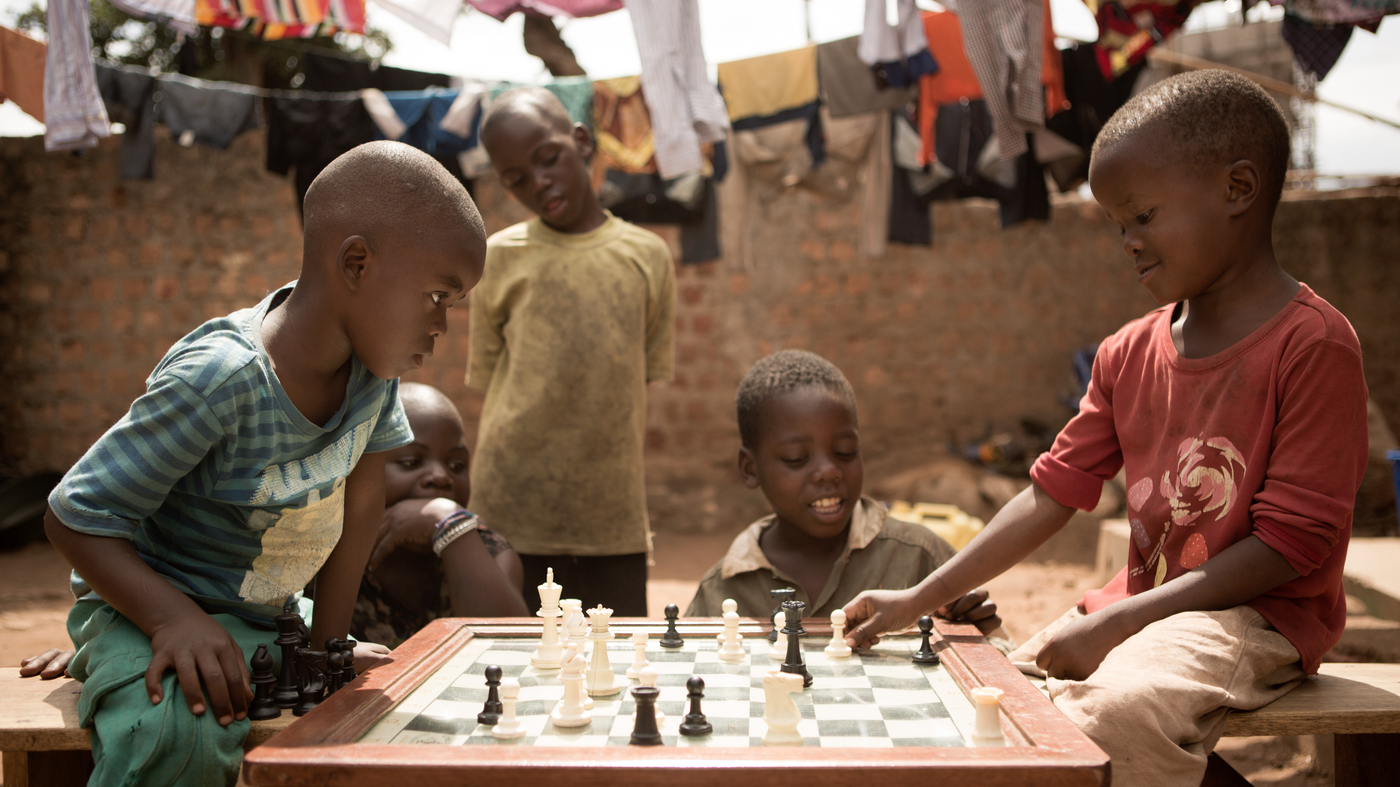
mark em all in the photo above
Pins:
pixel 1267 438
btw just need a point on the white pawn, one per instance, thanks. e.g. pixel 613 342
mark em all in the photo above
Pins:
pixel 570 711
pixel 732 651
pixel 509 726
pixel 779 650
pixel 601 680
pixel 647 677
pixel 779 711
pixel 639 661
pixel 986 727
pixel 837 648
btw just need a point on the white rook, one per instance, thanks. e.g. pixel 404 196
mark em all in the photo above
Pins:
pixel 986 728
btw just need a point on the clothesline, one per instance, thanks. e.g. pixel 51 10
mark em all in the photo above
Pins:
pixel 252 90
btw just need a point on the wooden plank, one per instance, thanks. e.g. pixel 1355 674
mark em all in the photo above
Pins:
pixel 46 768
pixel 42 715
pixel 1343 699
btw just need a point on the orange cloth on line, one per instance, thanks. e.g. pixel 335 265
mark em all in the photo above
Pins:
pixel 278 19
pixel 955 80
pixel 22 71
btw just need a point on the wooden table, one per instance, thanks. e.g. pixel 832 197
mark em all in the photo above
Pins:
pixel 325 747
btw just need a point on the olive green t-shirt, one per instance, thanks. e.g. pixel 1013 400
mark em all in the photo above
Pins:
pixel 881 552
pixel 566 332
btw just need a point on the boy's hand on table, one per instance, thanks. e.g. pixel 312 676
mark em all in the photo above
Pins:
pixel 370 655
pixel 50 664
pixel 975 608
pixel 1077 650
pixel 196 647
pixel 874 612
pixel 410 524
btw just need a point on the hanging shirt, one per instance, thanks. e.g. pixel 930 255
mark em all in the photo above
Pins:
pixel 1362 13
pixel 501 9
pixel 22 71
pixel 434 18
pixel 74 116
pixel 901 52
pixel 766 85
pixel 1129 28
pixel 328 74
pixel 307 134
pixel 621 129
pixel 848 85
pixel 130 100
pixel 1002 41
pixel 686 110
pixel 1266 439
pixel 210 113
pixel 176 14
pixel 1315 48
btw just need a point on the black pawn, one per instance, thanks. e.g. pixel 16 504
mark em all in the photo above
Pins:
pixel 313 682
pixel 780 595
pixel 264 680
pixel 792 615
pixel 672 638
pixel 925 654
pixel 288 639
pixel 695 723
pixel 644 731
pixel 335 671
pixel 491 712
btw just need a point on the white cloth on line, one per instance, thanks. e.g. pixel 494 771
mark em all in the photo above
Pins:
pixel 383 114
pixel 74 116
pixel 686 108
pixel 177 14
pixel 880 43
pixel 462 114
pixel 434 17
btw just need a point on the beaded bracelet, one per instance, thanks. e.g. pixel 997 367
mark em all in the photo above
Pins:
pixel 453 527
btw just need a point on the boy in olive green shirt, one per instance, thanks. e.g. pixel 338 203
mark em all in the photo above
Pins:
pixel 572 318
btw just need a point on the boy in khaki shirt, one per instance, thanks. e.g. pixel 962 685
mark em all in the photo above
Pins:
pixel 801 446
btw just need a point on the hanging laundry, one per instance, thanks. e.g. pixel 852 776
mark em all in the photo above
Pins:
pixel 176 14
pixel 622 130
pixel 421 114
pixel 433 17
pixel 211 114
pixel 130 100
pixel 848 86
pixel 900 54
pixel 464 116
pixel 773 110
pixel 1316 47
pixel 307 134
pixel 575 93
pixel 22 71
pixel 332 74
pixel 501 9
pixel 766 85
pixel 74 117
pixel 1129 28
pixel 278 19
pixel 1002 40
pixel 956 79
pixel 1093 100
pixel 1362 13
pixel 686 110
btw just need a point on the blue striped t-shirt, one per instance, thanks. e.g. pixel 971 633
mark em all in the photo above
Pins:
pixel 221 484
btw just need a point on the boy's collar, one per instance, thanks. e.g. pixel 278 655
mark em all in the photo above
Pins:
pixel 745 554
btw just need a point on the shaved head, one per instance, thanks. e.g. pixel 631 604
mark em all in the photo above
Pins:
pixel 535 103
pixel 421 399
pixel 391 194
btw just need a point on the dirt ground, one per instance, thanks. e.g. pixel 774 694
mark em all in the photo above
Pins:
pixel 34 602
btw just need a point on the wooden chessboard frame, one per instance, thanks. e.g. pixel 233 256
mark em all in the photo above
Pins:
pixel 1044 747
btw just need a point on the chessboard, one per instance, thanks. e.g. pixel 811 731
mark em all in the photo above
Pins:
pixel 876 698
pixel 876 718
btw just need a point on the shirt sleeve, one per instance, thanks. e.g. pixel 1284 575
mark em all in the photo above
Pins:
pixel 1318 457
pixel 1086 452
pixel 391 430
pixel 661 323
pixel 487 340
pixel 128 473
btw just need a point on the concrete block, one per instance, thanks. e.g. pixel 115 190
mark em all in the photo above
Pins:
pixel 1371 575
pixel 1115 536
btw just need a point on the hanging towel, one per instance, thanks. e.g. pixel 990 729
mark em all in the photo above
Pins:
pixel 500 9
pixel 22 71
pixel 686 110
pixel 1002 40
pixel 130 100
pixel 848 85
pixel 197 111
pixel 434 17
pixel 1129 28
pixel 768 84
pixel 176 14
pixel 74 117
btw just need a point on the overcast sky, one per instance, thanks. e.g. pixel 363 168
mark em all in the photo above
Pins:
pixel 1367 76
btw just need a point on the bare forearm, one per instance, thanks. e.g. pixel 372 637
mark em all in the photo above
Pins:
pixel 111 567
pixel 338 582
pixel 1242 572
pixel 477 585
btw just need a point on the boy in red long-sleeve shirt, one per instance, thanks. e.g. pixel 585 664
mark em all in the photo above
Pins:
pixel 1238 412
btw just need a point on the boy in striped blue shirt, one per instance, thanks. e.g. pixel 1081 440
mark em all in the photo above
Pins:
pixel 254 462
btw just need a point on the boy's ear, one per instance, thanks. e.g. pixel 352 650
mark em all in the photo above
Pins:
pixel 352 260
pixel 583 140
pixel 748 470
pixel 1242 184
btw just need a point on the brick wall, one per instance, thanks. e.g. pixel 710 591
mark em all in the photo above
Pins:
pixel 98 277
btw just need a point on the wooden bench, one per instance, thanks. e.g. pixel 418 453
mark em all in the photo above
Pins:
pixel 41 742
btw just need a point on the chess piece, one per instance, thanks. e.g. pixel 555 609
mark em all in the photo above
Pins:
pixel 644 730
pixel 672 638
pixel 346 648
pixel 837 648
pixel 779 711
pixel 264 680
pixel 547 656
pixel 925 654
pixel 287 693
pixel 732 651
pixel 335 671
pixel 601 680
pixel 792 612
pixel 780 595
pixel 647 677
pixel 695 723
pixel 312 681
pixel 575 624
pixel 779 650
pixel 986 727
pixel 509 725
pixel 491 711
pixel 570 711
pixel 639 659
